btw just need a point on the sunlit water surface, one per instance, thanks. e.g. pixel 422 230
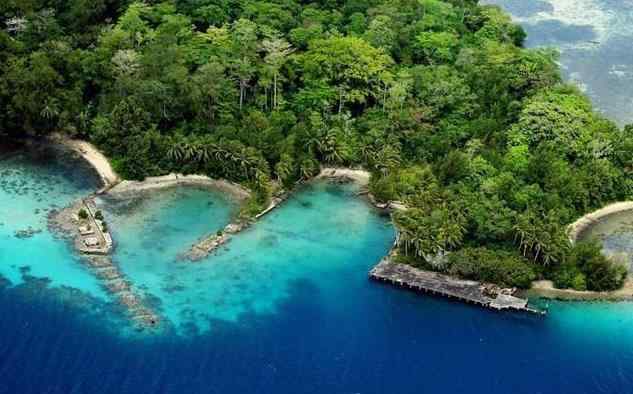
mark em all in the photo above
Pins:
pixel 595 40
pixel 285 307
pixel 322 234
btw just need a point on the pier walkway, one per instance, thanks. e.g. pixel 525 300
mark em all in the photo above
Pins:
pixel 467 291
pixel 103 239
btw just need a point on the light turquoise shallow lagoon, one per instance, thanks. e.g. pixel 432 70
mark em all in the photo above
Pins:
pixel 317 236
pixel 31 185
pixel 321 236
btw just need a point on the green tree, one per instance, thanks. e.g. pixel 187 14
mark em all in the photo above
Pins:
pixel 350 64
pixel 277 51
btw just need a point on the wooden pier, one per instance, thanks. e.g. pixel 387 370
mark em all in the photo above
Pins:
pixel 434 283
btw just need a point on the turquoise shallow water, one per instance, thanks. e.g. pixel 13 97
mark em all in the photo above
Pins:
pixel 286 307
pixel 316 237
pixel 29 190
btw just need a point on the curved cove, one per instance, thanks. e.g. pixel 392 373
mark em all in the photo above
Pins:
pixel 615 233
pixel 323 238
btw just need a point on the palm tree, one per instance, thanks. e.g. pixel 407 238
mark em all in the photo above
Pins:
pixel 50 110
pixel 386 158
pixel 542 238
pixel 330 149
pixel 307 168
pixel 284 168
pixel 176 152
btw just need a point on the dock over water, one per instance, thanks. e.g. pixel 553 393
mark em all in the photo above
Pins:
pixel 467 291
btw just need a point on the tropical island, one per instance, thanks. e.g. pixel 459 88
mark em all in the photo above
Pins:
pixel 478 137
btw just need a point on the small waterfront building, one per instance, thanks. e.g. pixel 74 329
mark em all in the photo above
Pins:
pixel 91 242
pixel 86 230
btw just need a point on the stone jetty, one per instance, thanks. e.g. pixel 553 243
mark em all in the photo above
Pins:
pixel 207 245
pixel 93 240
pixel 120 288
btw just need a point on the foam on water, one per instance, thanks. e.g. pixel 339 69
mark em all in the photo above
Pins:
pixel 594 37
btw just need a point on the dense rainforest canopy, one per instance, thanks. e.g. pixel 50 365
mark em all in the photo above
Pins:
pixel 493 154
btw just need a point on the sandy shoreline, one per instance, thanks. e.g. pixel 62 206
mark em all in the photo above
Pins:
pixel 115 186
pixel 546 289
pixel 172 180
pixel 92 155
pixel 575 230
pixel 204 247
pixel 359 176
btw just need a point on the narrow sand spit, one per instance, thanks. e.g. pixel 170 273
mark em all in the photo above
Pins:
pixel 93 156
pixel 114 184
pixel 359 176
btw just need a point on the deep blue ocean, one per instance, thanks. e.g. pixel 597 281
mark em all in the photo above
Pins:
pixel 389 342
pixel 286 307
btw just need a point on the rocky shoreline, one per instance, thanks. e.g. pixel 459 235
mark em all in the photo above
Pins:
pixel 208 245
pixel 113 185
pixel 91 239
pixel 80 230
